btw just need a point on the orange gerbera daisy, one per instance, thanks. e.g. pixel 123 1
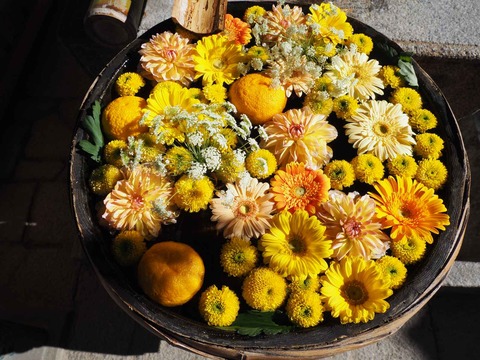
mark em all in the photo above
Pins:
pixel 236 30
pixel 409 208
pixel 299 187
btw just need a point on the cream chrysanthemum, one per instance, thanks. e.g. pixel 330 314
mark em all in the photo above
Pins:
pixel 351 223
pixel 359 72
pixel 301 136
pixel 244 210
pixel 168 56
pixel 131 204
pixel 380 128
pixel 295 246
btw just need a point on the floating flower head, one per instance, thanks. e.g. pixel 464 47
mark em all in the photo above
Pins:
pixel 304 309
pixel 345 106
pixel 409 98
pixel 354 290
pixel 362 43
pixel 238 257
pixel 330 22
pixel 193 195
pixel 131 204
pixel 244 210
pixel 310 283
pixel 280 19
pixel 432 173
pixel 422 120
pixel 301 136
pixel 219 307
pixel 129 83
pixel 299 188
pixel 394 271
pixel 263 289
pixel 409 250
pixel 402 165
pixel 295 246
pixel 340 173
pixel 261 163
pixel 368 168
pixel 359 72
pixel 380 128
pixel 217 59
pixel 352 224
pixel 128 247
pixel 168 56
pixel 236 30
pixel 409 208
pixel 428 145
pixel 390 76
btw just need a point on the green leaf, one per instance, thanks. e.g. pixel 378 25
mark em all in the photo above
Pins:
pixel 389 51
pixel 407 71
pixel 93 126
pixel 253 323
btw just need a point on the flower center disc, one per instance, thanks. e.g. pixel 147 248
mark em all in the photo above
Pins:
pixel 354 292
pixel 296 131
pixel 300 191
pixel 381 129
pixel 218 64
pixel 137 202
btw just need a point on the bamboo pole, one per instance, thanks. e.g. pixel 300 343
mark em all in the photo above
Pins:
pixel 200 16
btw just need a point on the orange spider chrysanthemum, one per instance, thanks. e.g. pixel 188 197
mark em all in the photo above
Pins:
pixel 299 187
pixel 409 208
pixel 236 30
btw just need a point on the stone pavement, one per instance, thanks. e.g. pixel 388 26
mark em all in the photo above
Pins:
pixel 52 306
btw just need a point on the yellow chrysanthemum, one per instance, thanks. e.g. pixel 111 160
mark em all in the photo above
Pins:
pixel 332 22
pixel 380 128
pixel 318 104
pixel 394 271
pixel 432 173
pixel 215 93
pixel 128 247
pixel 129 83
pixel 295 245
pixel 244 210
pixel 236 30
pixel 345 106
pixel 363 43
pixel 263 289
pixel 390 75
pixel 402 165
pixel 178 160
pixel 299 188
pixel 230 167
pixel 301 136
pixel 261 163
pixel 253 12
pixel 193 195
pixel 304 309
pixel 168 56
pixel 340 173
pixel 409 98
pixel 368 168
pixel 422 120
pixel 230 141
pixel 104 178
pixel 112 152
pixel 258 52
pixel 238 257
pixel 310 283
pixel 131 204
pixel 354 290
pixel 409 208
pixel 428 145
pixel 409 249
pixel 216 60
pixel 219 307
pixel 359 71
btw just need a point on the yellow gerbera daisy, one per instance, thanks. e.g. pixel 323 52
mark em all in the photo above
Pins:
pixel 409 249
pixel 299 188
pixel 304 309
pixel 409 208
pixel 394 271
pixel 380 128
pixel 244 210
pixel 216 60
pixel 340 173
pixel 263 289
pixel 352 224
pixel 295 245
pixel 238 257
pixel 432 173
pixel 301 136
pixel 354 290
pixel 219 307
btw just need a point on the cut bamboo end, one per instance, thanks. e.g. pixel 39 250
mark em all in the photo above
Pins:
pixel 200 16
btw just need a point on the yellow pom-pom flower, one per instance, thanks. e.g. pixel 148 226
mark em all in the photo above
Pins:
pixel 238 257
pixel 390 76
pixel 230 167
pixel 310 283
pixel 121 117
pixel 178 160
pixel 129 83
pixel 394 271
pixel 432 173
pixel 103 179
pixel 263 289
pixel 305 309
pixel 261 163
pixel 409 98
pixel 363 43
pixel 409 250
pixel 215 93
pixel 341 174
pixel 422 120
pixel 318 104
pixel 402 165
pixel 128 247
pixel 258 52
pixel 219 307
pixel 345 106
pixel 193 195
pixel 112 152
pixel 253 12
pixel 428 145
pixel 368 168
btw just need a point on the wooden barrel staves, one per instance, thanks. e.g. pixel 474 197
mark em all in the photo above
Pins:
pixel 328 338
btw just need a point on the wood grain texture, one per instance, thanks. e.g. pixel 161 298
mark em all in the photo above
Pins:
pixel 200 16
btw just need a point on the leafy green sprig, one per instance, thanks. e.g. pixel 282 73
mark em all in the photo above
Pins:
pixel 92 125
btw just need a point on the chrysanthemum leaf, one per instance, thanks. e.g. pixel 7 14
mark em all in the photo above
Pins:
pixel 408 72
pixel 93 126
pixel 253 323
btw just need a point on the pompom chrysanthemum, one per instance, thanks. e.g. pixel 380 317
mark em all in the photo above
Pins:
pixel 409 249
pixel 193 195
pixel 219 307
pixel 422 120
pixel 432 173
pixel 428 145
pixel 368 168
pixel 263 289
pixel 340 173
pixel 362 42
pixel 345 106
pixel 128 247
pixel 310 283
pixel 112 152
pixel 178 160
pixel 394 271
pixel 103 179
pixel 305 309
pixel 261 163
pixel 390 75
pixel 402 165
pixel 409 98
pixel 238 257
pixel 129 83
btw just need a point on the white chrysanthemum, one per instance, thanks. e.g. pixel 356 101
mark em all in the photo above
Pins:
pixel 380 128
pixel 361 73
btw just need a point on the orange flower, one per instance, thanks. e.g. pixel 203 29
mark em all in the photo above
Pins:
pixel 237 30
pixel 299 187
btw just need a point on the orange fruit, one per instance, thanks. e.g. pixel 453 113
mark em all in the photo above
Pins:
pixel 253 96
pixel 121 116
pixel 171 273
